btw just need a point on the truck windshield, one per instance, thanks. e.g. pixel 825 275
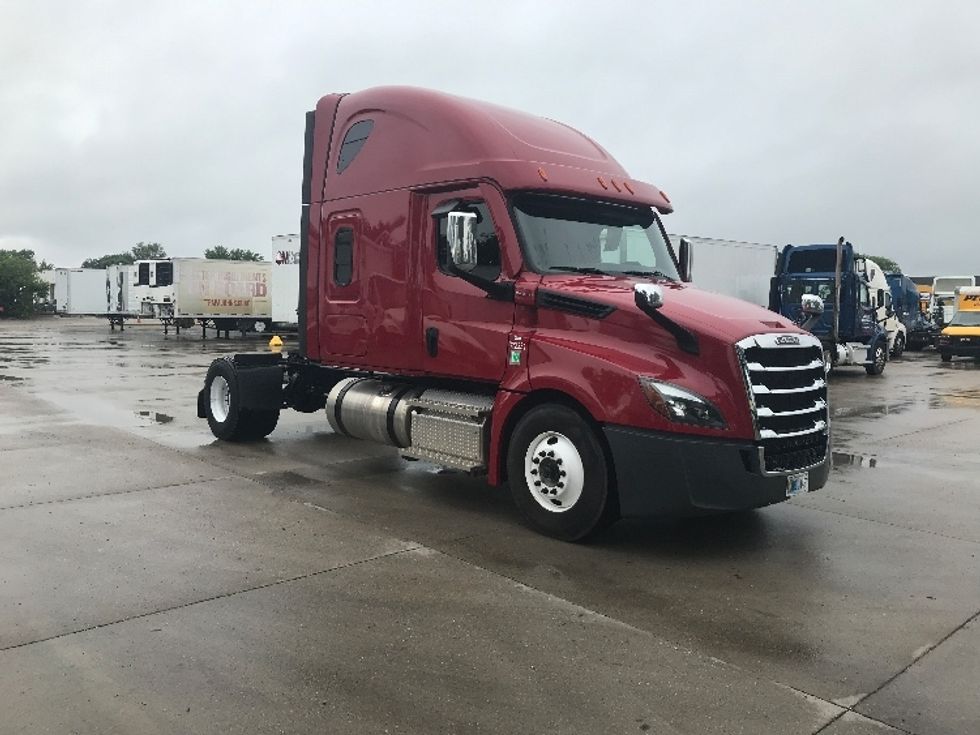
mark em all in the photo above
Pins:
pixel 572 235
pixel 793 292
pixel 965 319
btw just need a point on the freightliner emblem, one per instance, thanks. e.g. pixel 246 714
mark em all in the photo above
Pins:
pixel 787 339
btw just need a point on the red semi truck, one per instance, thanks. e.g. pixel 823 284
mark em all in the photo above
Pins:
pixel 491 291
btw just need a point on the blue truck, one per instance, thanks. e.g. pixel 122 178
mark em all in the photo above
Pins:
pixel 851 334
pixel 920 329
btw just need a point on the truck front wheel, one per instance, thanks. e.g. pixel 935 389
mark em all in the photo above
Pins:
pixel 226 416
pixel 558 473
pixel 877 366
pixel 899 346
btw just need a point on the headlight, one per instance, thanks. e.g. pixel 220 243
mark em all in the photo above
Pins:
pixel 680 405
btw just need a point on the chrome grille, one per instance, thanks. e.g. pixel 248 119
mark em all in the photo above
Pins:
pixel 787 389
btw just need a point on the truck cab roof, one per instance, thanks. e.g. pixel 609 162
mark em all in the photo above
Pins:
pixel 404 137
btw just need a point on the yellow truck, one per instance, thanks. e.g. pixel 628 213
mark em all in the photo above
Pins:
pixel 961 336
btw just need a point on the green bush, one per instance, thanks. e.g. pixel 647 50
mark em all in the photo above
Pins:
pixel 19 283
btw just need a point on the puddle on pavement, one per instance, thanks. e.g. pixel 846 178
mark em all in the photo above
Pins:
pixel 882 409
pixel 155 416
pixel 955 399
pixel 846 459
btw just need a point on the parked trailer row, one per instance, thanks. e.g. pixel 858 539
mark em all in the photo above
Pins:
pixel 180 292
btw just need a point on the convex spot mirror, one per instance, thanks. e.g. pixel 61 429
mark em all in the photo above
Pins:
pixel 812 304
pixel 648 296
pixel 461 235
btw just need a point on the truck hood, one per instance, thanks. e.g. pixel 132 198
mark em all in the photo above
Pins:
pixel 702 312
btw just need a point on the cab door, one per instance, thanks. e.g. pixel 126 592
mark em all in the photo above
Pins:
pixel 465 332
pixel 866 312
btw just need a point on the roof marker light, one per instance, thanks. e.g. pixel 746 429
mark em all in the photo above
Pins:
pixel 615 185
pixel 601 182
pixel 628 187
pixel 542 174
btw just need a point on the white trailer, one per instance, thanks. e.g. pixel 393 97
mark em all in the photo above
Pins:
pixel 45 303
pixel 120 298
pixel 152 289
pixel 223 294
pixel 284 285
pixel 733 268
pixel 79 291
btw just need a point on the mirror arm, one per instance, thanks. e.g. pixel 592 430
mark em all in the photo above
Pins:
pixel 496 290
pixel 686 340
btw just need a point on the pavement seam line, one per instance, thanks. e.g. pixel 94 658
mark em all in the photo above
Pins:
pixel 843 714
pixel 885 439
pixel 114 493
pixel 891 524
pixel 213 598
pixel 645 632
pixel 914 661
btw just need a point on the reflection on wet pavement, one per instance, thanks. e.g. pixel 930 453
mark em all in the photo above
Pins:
pixel 845 459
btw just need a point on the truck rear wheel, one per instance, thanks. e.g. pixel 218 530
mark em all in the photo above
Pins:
pixel 558 474
pixel 226 416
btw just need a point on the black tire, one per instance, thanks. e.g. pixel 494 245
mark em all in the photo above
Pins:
pixel 593 508
pixel 261 423
pixel 899 347
pixel 233 423
pixel 945 357
pixel 880 359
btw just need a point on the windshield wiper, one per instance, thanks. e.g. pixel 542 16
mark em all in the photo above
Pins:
pixel 578 269
pixel 652 274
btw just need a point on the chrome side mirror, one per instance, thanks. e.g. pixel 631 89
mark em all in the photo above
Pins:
pixel 461 235
pixel 648 296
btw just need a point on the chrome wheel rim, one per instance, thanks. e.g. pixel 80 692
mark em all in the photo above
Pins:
pixel 554 472
pixel 220 399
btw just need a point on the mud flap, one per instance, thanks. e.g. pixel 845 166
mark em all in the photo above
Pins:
pixel 260 388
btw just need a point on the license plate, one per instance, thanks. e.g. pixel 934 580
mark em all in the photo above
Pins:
pixel 797 484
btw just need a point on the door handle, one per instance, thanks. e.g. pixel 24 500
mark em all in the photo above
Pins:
pixel 432 341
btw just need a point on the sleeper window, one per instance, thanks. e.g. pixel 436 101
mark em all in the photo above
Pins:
pixel 353 142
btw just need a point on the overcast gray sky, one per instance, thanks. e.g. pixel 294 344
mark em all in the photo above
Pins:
pixel 181 122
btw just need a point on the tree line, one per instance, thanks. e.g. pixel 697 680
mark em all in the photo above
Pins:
pixel 156 251
pixel 21 286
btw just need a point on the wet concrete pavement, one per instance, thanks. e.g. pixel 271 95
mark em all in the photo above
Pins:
pixel 154 580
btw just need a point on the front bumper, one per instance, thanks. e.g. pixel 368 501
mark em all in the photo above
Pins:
pixel 669 475
pixel 959 348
